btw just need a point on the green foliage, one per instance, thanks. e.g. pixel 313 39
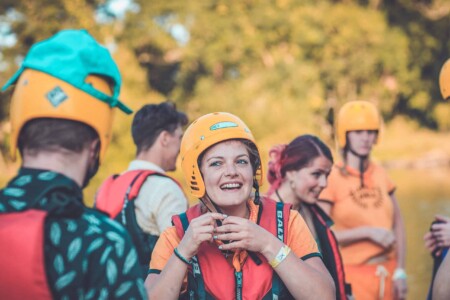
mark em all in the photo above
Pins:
pixel 284 66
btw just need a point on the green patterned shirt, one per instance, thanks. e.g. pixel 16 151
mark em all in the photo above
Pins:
pixel 87 255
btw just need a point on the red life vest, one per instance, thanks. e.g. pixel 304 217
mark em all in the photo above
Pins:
pixel 212 276
pixel 117 190
pixel 116 196
pixel 22 254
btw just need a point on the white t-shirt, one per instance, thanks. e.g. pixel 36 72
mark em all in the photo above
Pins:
pixel 159 199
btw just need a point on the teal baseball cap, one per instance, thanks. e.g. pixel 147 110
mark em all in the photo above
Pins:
pixel 71 56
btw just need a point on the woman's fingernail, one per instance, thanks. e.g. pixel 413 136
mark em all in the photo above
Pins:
pixel 220 247
pixel 225 216
pixel 215 237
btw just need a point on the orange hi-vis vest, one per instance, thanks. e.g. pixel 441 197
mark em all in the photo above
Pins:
pixel 211 276
pixel 116 196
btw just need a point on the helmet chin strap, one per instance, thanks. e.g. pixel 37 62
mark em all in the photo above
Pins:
pixel 216 207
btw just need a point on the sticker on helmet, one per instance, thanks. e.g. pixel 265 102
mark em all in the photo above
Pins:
pixel 56 96
pixel 222 125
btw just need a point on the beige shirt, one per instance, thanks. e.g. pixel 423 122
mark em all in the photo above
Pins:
pixel 159 199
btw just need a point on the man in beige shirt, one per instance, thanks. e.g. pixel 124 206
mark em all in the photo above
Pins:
pixel 144 198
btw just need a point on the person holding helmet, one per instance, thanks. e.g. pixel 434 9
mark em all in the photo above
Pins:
pixel 234 244
pixel 437 240
pixel 54 247
pixel 360 199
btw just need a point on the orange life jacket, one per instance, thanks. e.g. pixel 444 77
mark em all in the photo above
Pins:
pixel 116 196
pixel 211 276
pixel 22 261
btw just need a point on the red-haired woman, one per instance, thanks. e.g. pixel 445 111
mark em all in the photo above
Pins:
pixel 298 173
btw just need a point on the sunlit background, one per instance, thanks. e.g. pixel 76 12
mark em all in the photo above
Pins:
pixel 284 67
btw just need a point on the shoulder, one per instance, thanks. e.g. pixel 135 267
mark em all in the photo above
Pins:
pixel 163 183
pixel 377 168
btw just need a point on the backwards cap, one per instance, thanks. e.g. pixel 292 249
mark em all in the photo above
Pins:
pixel 73 55
pixel 68 76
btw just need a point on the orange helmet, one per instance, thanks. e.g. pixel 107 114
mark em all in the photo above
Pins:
pixel 203 133
pixel 30 101
pixel 356 115
pixel 444 80
pixel 68 76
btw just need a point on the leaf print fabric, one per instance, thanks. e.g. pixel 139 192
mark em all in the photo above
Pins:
pixel 86 256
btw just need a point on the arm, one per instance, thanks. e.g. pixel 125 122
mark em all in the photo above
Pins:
pixel 399 231
pixel 317 281
pixel 167 284
pixel 441 286
pixel 381 236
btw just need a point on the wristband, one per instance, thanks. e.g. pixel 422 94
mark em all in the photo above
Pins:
pixel 282 254
pixel 399 273
pixel 181 257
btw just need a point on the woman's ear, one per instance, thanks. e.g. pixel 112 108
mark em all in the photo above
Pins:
pixel 289 175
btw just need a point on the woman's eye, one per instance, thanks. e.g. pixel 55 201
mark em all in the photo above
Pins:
pixel 316 174
pixel 215 164
pixel 242 162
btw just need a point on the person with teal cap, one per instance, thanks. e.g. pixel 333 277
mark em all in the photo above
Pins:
pixel 53 246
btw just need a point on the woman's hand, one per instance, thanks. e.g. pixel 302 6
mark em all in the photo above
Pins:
pixel 441 231
pixel 200 230
pixel 243 234
pixel 383 237
pixel 431 243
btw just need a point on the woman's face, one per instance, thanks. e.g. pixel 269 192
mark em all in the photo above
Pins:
pixel 227 173
pixel 362 141
pixel 308 182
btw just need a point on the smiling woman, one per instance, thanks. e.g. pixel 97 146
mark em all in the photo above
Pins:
pixel 298 172
pixel 234 244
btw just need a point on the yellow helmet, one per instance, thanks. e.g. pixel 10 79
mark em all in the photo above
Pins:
pixel 30 100
pixel 356 115
pixel 444 80
pixel 203 133
pixel 68 76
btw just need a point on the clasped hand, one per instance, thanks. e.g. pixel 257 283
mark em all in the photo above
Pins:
pixel 239 233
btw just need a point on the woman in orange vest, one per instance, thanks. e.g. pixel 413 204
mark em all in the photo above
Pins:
pixel 361 201
pixel 233 244
pixel 298 173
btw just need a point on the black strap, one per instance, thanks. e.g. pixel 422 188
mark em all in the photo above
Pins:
pixel 276 281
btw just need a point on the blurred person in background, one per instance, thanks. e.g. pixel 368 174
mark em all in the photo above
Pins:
pixel 360 198
pixel 437 240
pixel 144 198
